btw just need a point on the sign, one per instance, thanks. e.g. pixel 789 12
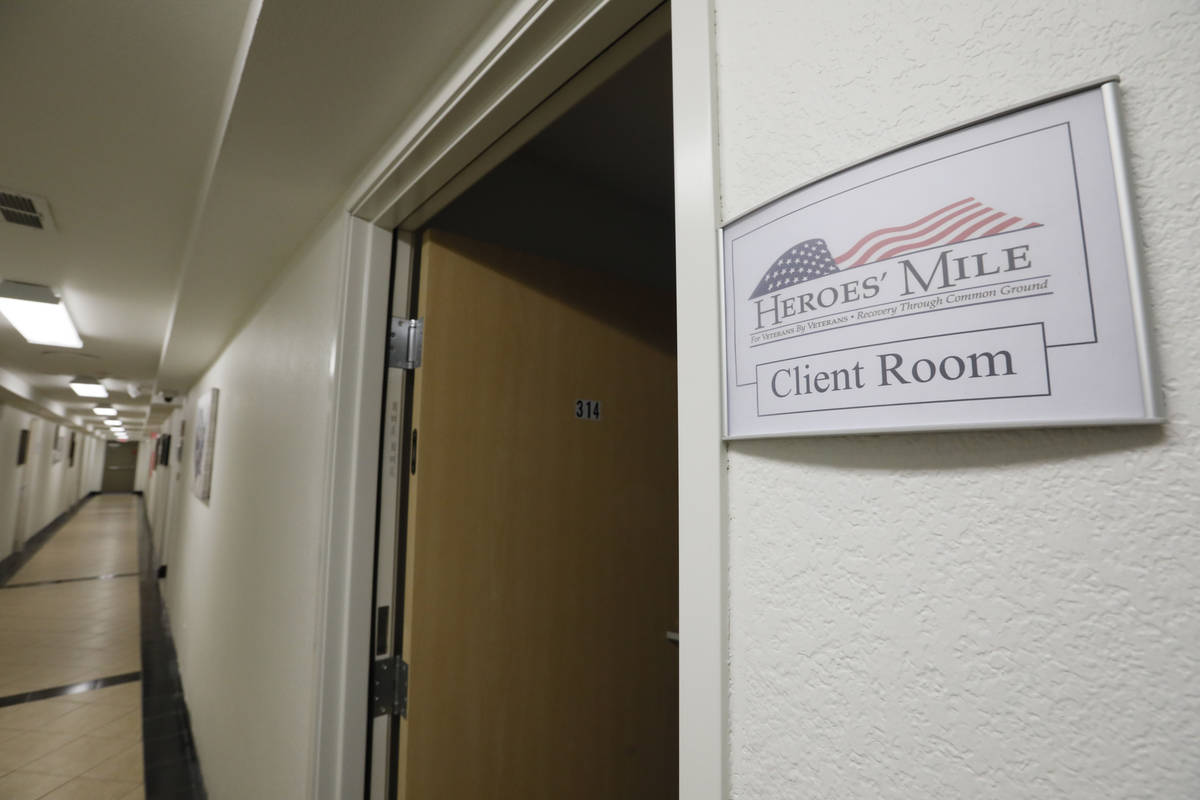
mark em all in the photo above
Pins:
pixel 985 277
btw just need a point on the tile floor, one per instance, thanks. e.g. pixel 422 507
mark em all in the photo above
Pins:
pixel 89 744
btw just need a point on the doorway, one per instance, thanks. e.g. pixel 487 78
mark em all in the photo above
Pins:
pixel 28 476
pixel 528 598
pixel 120 466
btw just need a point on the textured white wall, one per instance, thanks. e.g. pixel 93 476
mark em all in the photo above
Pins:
pixel 93 465
pixel 177 494
pixel 50 489
pixel 157 491
pixel 986 615
pixel 244 567
pixel 49 484
pixel 12 421
pixel 162 492
pixel 141 474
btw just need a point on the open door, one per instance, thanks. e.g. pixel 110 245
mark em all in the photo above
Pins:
pixel 541 545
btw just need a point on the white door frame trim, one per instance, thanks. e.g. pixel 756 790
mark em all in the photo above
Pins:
pixel 529 53
pixel 533 50
pixel 348 543
pixel 703 519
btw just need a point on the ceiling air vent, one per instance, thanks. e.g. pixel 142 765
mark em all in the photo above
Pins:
pixel 25 209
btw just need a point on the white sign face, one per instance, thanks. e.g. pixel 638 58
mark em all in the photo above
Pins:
pixel 983 278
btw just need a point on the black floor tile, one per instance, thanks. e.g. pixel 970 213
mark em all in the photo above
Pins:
pixel 69 689
pixel 172 769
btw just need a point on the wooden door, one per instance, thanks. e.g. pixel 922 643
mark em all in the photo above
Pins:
pixel 541 544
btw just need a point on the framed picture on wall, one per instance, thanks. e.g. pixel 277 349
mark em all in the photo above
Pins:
pixel 202 444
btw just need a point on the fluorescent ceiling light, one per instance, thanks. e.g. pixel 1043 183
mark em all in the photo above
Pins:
pixel 105 411
pixel 113 423
pixel 89 387
pixel 38 314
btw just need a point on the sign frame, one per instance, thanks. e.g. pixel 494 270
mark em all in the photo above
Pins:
pixel 1150 383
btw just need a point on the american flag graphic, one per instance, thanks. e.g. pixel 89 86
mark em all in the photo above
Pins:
pixel 803 262
pixel 962 220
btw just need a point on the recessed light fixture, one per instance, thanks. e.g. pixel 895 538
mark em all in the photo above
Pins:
pixel 113 423
pixel 105 411
pixel 88 387
pixel 38 314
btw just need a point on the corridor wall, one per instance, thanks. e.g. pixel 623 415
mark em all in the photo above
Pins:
pixel 163 487
pixel 141 474
pixel 35 494
pixel 992 614
pixel 244 568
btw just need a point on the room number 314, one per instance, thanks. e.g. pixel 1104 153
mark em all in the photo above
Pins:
pixel 587 409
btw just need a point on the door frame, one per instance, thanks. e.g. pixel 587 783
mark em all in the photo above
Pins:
pixel 487 104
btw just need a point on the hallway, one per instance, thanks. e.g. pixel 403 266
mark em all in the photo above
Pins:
pixel 70 664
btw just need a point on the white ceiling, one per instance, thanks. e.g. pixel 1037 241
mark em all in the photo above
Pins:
pixel 109 113
pixel 171 224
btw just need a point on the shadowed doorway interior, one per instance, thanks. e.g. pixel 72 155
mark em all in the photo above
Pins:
pixel 538 597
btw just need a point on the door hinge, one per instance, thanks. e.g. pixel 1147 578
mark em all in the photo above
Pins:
pixel 404 342
pixel 389 687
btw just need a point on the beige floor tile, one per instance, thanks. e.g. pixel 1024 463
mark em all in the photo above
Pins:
pixel 29 746
pixel 86 719
pixel 78 756
pixel 124 766
pixel 59 634
pixel 126 727
pixel 89 789
pixel 34 716
pixel 28 785
pixel 137 794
